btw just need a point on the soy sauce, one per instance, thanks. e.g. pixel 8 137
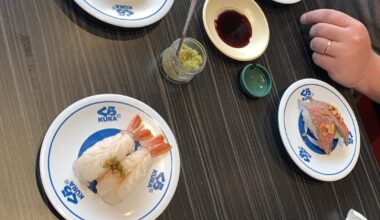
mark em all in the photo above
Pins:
pixel 233 28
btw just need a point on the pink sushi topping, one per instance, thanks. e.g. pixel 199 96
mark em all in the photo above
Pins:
pixel 327 121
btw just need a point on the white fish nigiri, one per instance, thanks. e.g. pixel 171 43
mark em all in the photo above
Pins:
pixel 114 187
pixel 98 159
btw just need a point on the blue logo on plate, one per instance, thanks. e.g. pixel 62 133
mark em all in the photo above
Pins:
pixel 71 192
pixel 350 138
pixel 306 94
pixel 123 10
pixel 157 181
pixel 304 154
pixel 108 114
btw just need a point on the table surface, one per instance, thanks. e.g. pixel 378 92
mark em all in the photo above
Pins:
pixel 233 163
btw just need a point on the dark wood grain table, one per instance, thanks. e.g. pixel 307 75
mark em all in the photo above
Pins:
pixel 233 162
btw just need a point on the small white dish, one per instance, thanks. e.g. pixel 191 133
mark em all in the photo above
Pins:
pixel 127 13
pixel 304 150
pixel 354 215
pixel 260 29
pixel 76 129
pixel 287 1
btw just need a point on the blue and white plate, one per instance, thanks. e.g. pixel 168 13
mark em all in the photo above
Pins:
pixel 127 13
pixel 304 150
pixel 80 126
pixel 287 1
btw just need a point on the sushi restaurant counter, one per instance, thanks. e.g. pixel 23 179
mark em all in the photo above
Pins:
pixel 233 162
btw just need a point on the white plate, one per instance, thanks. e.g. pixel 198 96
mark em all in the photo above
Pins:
pixel 90 120
pixel 127 13
pixel 303 149
pixel 287 1
pixel 260 29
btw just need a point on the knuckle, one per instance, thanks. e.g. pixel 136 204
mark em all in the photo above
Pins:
pixel 331 14
pixel 336 15
pixel 339 17
pixel 356 38
pixel 359 33
pixel 315 58
pixel 361 28
pixel 358 25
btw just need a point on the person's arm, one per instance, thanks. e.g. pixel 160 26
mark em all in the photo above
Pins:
pixel 342 47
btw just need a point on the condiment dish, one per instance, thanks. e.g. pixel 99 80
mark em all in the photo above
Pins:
pixel 255 80
pixel 251 10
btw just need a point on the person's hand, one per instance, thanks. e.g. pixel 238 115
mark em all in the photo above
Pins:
pixel 341 46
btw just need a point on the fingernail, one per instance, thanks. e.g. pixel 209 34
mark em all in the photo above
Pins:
pixel 303 18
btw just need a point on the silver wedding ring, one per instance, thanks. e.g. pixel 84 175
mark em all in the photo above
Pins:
pixel 328 47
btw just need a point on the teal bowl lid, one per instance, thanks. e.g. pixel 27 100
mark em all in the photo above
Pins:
pixel 255 80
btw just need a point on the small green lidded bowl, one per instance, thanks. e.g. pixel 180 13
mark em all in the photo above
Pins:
pixel 255 80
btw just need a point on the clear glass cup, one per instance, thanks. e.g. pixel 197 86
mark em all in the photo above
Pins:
pixel 171 67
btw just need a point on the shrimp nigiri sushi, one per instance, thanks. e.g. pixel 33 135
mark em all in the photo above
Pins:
pixel 115 164
pixel 115 186
pixel 96 161
pixel 324 121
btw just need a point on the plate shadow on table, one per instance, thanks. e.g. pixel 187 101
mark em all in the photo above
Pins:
pixel 291 168
pixel 41 188
pixel 303 3
pixel 273 4
pixel 99 28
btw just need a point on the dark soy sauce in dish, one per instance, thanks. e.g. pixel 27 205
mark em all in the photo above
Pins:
pixel 233 28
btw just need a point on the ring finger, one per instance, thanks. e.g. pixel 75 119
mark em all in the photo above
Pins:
pixel 324 46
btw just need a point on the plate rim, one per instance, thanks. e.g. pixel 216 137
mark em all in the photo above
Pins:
pixel 226 51
pixel 60 118
pixel 126 23
pixel 285 97
pixel 288 2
